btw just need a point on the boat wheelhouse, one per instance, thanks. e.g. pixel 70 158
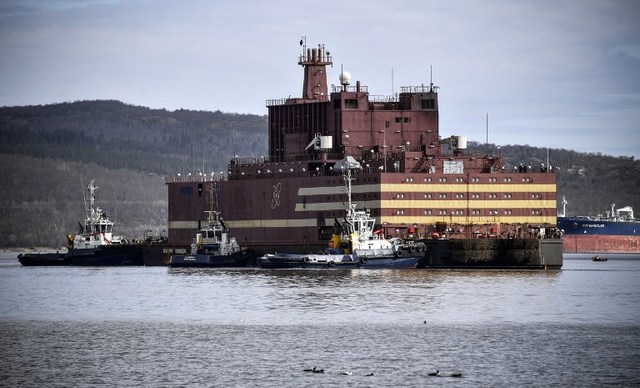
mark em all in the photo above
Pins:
pixel 97 229
pixel 212 245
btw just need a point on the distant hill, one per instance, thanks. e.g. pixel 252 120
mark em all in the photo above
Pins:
pixel 49 153
pixel 117 135
pixel 591 182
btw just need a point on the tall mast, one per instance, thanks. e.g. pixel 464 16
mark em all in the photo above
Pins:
pixel 92 198
pixel 347 179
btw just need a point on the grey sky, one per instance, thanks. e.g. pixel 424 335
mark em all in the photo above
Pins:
pixel 556 73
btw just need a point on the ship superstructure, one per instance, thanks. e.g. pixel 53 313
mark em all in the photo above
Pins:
pixel 415 183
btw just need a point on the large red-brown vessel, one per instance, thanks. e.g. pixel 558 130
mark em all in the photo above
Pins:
pixel 414 182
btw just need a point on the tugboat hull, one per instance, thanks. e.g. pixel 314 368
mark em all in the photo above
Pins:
pixel 43 259
pixel 105 256
pixel 237 259
pixel 102 256
pixel 337 261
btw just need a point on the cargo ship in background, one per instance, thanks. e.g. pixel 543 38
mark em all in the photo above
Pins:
pixel 415 183
pixel 616 231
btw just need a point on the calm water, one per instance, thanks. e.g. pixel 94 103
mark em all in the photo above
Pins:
pixel 157 326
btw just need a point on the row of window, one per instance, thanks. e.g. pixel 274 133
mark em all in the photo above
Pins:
pixel 431 179
pixel 473 212
pixel 472 180
pixel 403 119
pixel 477 196
pixel 352 103
pixel 445 212
pixel 427 103
pixel 472 196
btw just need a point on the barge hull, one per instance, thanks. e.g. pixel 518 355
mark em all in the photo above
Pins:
pixel 493 254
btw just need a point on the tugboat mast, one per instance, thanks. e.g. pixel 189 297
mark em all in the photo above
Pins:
pixel 92 199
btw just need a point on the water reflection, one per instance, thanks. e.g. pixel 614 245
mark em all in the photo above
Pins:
pixel 363 295
pixel 582 290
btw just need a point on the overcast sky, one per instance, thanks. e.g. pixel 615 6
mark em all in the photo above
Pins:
pixel 549 73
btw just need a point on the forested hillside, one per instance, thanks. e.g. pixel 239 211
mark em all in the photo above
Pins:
pixel 49 153
pixel 42 200
pixel 116 135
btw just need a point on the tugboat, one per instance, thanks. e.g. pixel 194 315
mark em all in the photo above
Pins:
pixel 94 245
pixel 212 246
pixel 355 243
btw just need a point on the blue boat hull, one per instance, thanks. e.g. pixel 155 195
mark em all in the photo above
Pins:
pixel 586 226
pixel 296 261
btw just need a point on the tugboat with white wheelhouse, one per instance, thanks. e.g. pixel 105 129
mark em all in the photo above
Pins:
pixel 94 245
pixel 354 243
pixel 213 247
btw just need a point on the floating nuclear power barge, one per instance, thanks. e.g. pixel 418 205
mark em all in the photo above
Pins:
pixel 470 209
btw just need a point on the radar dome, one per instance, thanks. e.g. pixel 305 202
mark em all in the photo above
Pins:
pixel 345 78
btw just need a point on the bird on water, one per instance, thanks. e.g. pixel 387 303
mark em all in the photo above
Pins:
pixel 436 373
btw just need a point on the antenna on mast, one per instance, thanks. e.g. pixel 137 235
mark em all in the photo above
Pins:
pixel 486 142
pixel 393 89
pixel 84 197
pixel 548 158
pixel 430 78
